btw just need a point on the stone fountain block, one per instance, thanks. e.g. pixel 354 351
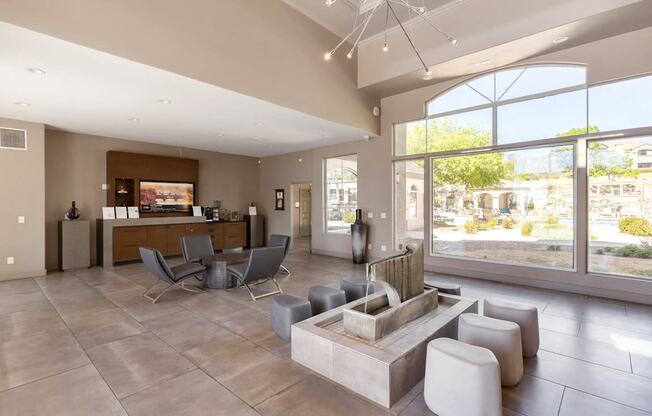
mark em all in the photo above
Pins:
pixel 380 320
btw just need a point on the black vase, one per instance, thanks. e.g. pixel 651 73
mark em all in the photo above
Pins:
pixel 359 238
pixel 73 212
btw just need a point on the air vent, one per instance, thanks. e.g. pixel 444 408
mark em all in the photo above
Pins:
pixel 13 139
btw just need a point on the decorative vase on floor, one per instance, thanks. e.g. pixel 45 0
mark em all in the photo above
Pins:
pixel 73 212
pixel 359 238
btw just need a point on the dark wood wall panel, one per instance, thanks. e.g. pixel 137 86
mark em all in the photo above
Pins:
pixel 138 166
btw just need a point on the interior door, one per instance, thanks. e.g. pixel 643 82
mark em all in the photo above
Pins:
pixel 304 212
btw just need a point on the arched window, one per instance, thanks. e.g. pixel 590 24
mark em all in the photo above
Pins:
pixel 505 107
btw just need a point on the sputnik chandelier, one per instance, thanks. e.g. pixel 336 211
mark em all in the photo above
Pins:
pixel 366 12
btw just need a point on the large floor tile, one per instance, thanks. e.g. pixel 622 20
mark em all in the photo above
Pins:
pixel 215 305
pixel 11 287
pixel 93 329
pixel 26 324
pixel 140 308
pixel 107 282
pixel 30 301
pixel 135 363
pixel 583 349
pixel 533 397
pixel 34 358
pixel 79 392
pixel 249 323
pixel 185 330
pixel 577 403
pixel 559 324
pixel 418 407
pixel 594 379
pixel 642 364
pixel 621 338
pixel 317 397
pixel 193 393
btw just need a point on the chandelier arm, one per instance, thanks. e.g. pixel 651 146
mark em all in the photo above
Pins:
pixel 416 51
pixel 406 4
pixel 386 24
pixel 346 38
pixel 363 29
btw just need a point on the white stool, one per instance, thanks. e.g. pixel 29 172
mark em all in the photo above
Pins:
pixel 525 316
pixel 461 380
pixel 503 338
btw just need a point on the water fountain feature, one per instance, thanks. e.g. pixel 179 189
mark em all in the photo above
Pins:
pixel 376 345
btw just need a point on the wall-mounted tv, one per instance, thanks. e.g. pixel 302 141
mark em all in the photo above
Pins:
pixel 166 196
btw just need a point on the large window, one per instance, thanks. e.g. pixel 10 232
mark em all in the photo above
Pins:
pixel 341 192
pixel 514 206
pixel 504 151
pixel 409 201
pixel 620 206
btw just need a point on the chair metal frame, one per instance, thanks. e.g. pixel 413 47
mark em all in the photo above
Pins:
pixel 165 275
pixel 282 268
pixel 242 281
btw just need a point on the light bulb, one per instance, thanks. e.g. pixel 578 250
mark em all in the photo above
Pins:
pixel 385 48
pixel 453 41
pixel 428 75
pixel 422 10
pixel 327 56
pixel 349 55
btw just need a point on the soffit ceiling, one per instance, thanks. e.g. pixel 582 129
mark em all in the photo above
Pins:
pixel 92 92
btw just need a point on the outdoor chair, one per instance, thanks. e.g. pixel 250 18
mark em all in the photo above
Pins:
pixel 173 276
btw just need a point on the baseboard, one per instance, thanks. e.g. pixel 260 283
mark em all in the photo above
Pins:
pixel 23 275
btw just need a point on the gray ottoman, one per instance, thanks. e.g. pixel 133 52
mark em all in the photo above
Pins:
pixel 324 298
pixel 356 288
pixel 287 310
pixel 443 287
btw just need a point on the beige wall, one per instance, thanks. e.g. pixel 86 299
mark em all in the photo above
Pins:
pixel 75 167
pixel 261 48
pixel 22 191
pixel 611 58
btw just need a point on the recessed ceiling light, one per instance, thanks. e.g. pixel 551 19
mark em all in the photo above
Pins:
pixel 560 40
pixel 220 134
pixel 22 104
pixel 427 76
pixel 37 71
pixel 165 101
pixel 133 119
pixel 258 123
pixel 325 136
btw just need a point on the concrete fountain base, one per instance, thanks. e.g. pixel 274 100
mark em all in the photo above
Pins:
pixel 384 370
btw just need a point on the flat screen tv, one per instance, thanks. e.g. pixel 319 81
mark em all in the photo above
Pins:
pixel 166 196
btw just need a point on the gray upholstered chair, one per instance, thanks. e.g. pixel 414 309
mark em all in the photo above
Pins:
pixel 196 247
pixel 284 241
pixel 262 265
pixel 173 276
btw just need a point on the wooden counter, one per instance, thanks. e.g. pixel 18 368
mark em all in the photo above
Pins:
pixel 119 240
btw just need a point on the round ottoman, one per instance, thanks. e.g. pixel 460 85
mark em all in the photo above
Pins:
pixel 356 288
pixel 526 316
pixel 287 310
pixel 461 379
pixel 503 338
pixel 324 298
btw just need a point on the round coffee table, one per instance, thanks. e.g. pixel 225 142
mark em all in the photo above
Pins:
pixel 216 275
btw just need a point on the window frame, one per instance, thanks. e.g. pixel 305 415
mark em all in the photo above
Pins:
pixel 325 193
pixel 580 171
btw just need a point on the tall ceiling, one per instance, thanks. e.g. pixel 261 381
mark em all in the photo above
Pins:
pixel 490 34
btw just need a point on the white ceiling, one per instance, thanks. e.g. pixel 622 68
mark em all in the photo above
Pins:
pixel 92 92
pixel 339 18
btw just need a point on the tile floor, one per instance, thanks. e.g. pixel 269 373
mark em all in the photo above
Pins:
pixel 87 343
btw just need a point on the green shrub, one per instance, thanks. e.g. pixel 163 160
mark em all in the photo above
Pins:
pixel 608 249
pixel 508 224
pixel 600 251
pixel 632 250
pixel 526 228
pixel 553 220
pixel 471 227
pixel 554 248
pixel 635 226
pixel 348 217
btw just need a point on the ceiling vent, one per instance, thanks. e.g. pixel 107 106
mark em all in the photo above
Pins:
pixel 15 139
